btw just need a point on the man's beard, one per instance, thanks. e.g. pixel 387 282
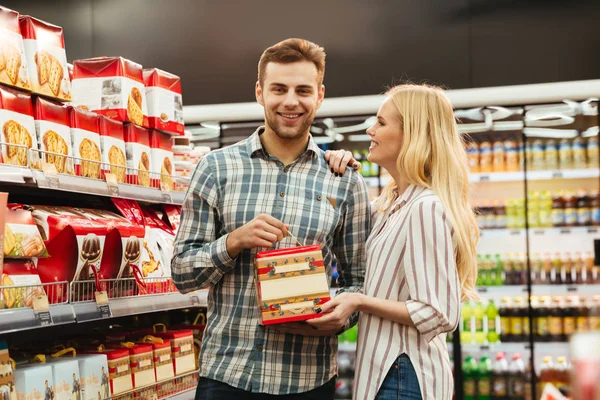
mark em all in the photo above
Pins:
pixel 288 132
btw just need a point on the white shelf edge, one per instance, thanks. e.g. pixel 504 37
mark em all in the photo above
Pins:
pixel 576 230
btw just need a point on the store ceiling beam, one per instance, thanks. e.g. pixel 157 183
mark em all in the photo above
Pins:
pixel 538 93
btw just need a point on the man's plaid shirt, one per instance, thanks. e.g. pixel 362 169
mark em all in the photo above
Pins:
pixel 229 188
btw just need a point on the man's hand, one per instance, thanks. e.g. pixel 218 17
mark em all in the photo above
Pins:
pixel 302 328
pixel 262 231
pixel 343 305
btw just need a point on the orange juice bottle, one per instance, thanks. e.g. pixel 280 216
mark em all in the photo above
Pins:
pixel 512 155
pixel 593 154
pixel 579 153
pixel 551 155
pixel 485 156
pixel 473 156
pixel 498 157
pixel 538 156
pixel 565 154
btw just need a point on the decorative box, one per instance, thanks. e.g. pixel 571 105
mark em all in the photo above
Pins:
pixel 182 350
pixel 34 381
pixel 290 283
pixel 119 370
pixel 163 362
pixel 141 357
pixel 94 376
pixel 66 378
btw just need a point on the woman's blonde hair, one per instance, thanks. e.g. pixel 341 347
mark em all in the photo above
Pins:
pixel 433 155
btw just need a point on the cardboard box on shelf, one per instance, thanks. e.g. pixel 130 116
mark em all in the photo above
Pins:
pixel 54 134
pixel 111 86
pixel 66 378
pixel 46 57
pixel 112 145
pixel 119 369
pixel 182 350
pixel 94 376
pixel 13 63
pixel 162 160
pixel 85 136
pixel 290 283
pixel 165 106
pixel 34 381
pixel 22 238
pixel 18 127
pixel 7 379
pixel 20 283
pixel 137 148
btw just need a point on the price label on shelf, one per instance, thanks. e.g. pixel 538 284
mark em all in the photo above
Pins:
pixel 539 232
pixel 51 175
pixel 484 178
pixel 165 188
pixel 592 230
pixel 103 305
pixel 41 310
pixel 515 232
pixel 572 289
pixel 565 231
pixel 557 175
pixel 113 185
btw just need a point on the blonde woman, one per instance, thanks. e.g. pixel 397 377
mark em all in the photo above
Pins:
pixel 421 252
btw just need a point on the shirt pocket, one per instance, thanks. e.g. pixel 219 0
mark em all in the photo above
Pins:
pixel 324 219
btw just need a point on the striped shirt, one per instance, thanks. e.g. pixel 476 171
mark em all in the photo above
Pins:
pixel 229 188
pixel 410 258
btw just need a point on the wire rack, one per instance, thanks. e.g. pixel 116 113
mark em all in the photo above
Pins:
pixel 162 389
pixel 22 296
pixel 82 291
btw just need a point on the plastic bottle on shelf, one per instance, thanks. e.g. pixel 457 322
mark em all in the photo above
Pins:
pixel 556 323
pixel 533 209
pixel 583 316
pixel 584 212
pixel 546 209
pixel 516 320
pixel 543 320
pixel 566 267
pixel 485 156
pixel 470 378
pixel 595 208
pixel 490 216
pixel 468 324
pixel 516 378
pixel 509 269
pixel 500 213
pixel 520 270
pixel 546 269
pixel 558 210
pixel 511 214
pixel 488 276
pixel 578 274
pixel 520 214
pixel 547 374
pixel 565 154
pixel 499 277
pixel 480 323
pixel 538 149
pixel 512 154
pixel 551 155
pixel 561 375
pixel 524 312
pixel 479 269
pixel 570 317
pixel 595 314
pixel 505 313
pixel 473 156
pixel 536 269
pixel 498 156
pixel 593 155
pixel 491 312
pixel 499 377
pixel 484 379
pixel 579 153
pixel 555 276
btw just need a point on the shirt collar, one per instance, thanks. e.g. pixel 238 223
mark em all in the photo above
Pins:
pixel 255 146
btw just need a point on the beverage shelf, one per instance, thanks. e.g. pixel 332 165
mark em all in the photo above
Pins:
pixel 537 290
pixel 542 348
pixel 539 232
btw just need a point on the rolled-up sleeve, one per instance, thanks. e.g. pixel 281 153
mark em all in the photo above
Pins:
pixel 200 258
pixel 430 270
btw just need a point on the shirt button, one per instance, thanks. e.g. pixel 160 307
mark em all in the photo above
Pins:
pixel 319 197
pixel 286 169
pixel 281 194
pixel 260 348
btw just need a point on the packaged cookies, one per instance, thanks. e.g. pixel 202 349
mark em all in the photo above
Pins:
pixel 165 107
pixel 20 283
pixel 22 238
pixel 85 137
pixel 111 86
pixel 13 64
pixel 46 57
pixel 112 145
pixel 137 149
pixel 162 160
pixel 18 127
pixel 54 134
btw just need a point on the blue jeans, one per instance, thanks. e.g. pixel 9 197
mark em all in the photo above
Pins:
pixel 209 389
pixel 400 382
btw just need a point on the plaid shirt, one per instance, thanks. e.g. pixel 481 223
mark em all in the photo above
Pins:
pixel 229 188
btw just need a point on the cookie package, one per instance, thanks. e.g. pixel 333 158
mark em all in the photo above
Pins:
pixel 111 86
pixel 165 105
pixel 54 134
pixel 22 238
pixel 13 63
pixel 85 136
pixel 18 127
pixel 44 45
pixel 137 150
pixel 112 146
pixel 20 284
pixel 162 160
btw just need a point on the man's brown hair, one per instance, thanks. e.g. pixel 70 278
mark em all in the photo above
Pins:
pixel 293 50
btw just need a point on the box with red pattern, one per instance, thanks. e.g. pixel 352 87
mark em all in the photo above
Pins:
pixel 165 107
pixel 18 128
pixel 54 134
pixel 14 70
pixel 111 86
pixel 112 146
pixel 182 350
pixel 162 160
pixel 44 45
pixel 137 149
pixel 85 137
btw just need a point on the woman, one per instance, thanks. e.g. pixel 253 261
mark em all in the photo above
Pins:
pixel 421 252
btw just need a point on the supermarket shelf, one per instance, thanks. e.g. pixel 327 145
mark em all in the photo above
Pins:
pixel 79 184
pixel 87 311
pixel 520 290
pixel 12 174
pixel 579 230
pixel 13 320
pixel 185 395
pixel 501 291
pixel 543 348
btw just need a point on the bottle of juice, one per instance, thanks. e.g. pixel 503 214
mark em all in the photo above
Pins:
pixel 533 209
pixel 547 374
pixel 555 320
pixel 520 213
pixel 512 154
pixel 593 155
pixel 499 278
pixel 566 268
pixel 546 209
pixel 561 376
pixel 498 156
pixel 485 156
pixel 584 212
pixel 473 156
pixel 558 210
pixel 480 325
pixel 579 153
pixel 484 379
pixel 595 208
pixel 570 209
pixel 565 154
pixel 546 269
pixel 536 269
pixel 468 324
pixel 505 320
pixel 500 213
pixel 551 155
pixel 542 320
pixel 511 214
pixel 500 378
pixel 516 378
pixel 555 276
pixel 516 320
pixel 583 316
pixel 492 322
pixel 538 149
pixel 470 378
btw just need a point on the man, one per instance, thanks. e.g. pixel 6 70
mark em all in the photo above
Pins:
pixel 246 198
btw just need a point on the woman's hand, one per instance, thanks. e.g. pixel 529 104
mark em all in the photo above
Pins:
pixel 343 305
pixel 339 160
